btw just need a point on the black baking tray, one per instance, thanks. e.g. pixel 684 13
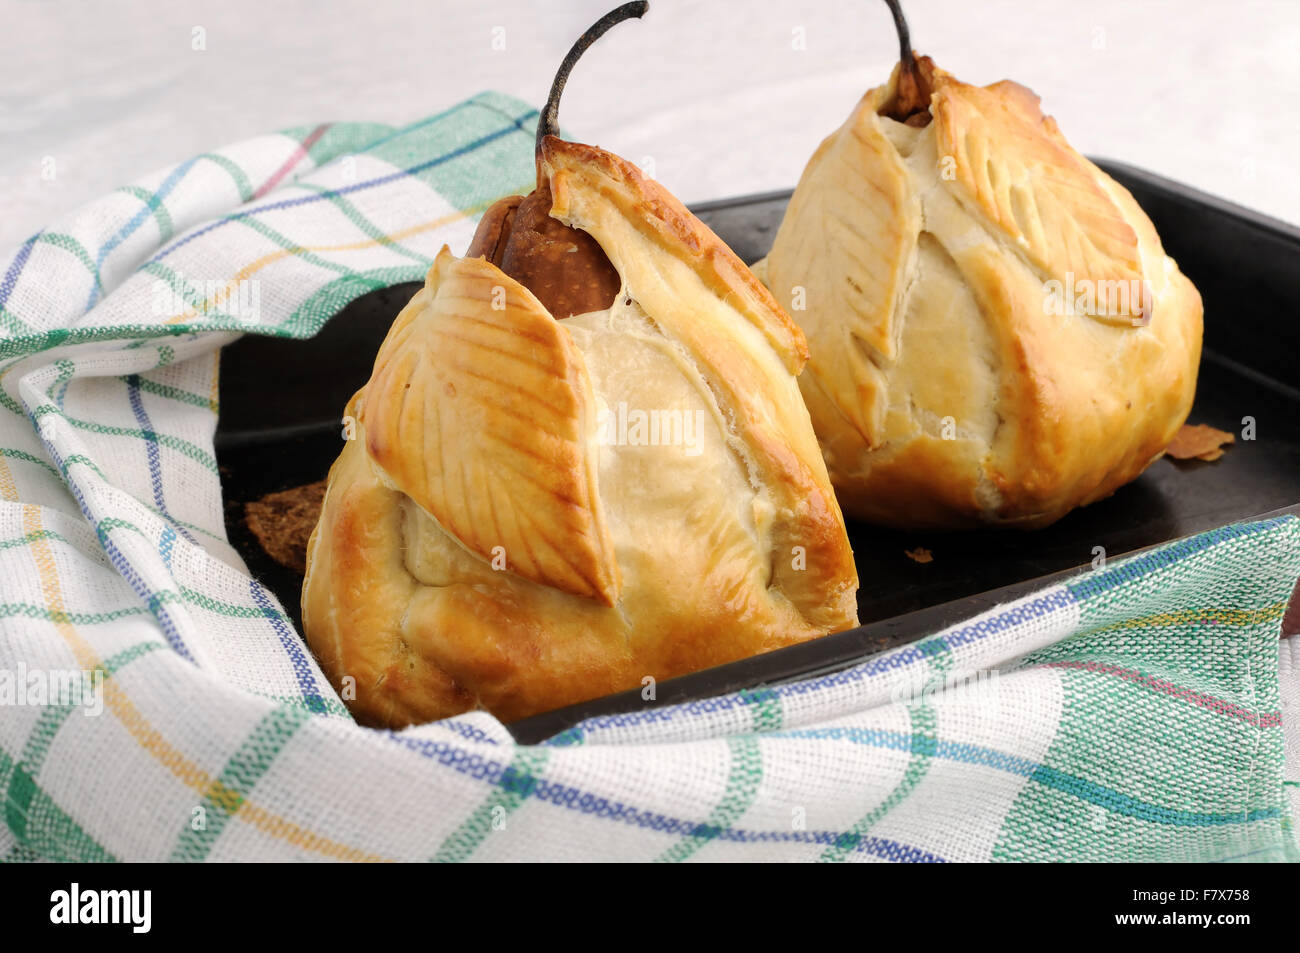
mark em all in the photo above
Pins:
pixel 281 401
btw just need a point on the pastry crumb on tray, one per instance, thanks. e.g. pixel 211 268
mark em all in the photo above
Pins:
pixel 1199 442
pixel 282 522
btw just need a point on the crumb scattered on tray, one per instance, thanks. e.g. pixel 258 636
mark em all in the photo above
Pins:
pixel 920 555
pixel 1199 442
pixel 282 522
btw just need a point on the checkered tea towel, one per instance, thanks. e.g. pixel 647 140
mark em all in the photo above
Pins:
pixel 156 702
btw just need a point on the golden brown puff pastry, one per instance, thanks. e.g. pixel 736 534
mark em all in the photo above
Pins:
pixel 513 529
pixel 996 334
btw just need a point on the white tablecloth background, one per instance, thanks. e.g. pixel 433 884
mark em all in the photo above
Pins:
pixel 1203 91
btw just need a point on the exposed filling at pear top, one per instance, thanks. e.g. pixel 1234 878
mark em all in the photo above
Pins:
pixel 911 102
pixel 563 267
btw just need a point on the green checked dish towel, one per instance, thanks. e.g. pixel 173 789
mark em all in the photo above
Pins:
pixel 156 702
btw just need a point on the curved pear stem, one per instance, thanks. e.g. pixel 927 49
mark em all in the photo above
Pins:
pixel 905 54
pixel 912 98
pixel 549 123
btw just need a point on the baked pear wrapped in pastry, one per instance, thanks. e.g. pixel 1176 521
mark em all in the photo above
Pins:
pixel 581 461
pixel 996 334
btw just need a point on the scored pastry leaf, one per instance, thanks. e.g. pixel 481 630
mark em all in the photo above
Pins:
pixel 847 239
pixel 1013 167
pixel 479 410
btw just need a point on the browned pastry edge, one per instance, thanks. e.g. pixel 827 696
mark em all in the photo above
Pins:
pixel 659 215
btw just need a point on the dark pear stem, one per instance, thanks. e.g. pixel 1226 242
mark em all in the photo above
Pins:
pixel 912 98
pixel 905 54
pixel 549 123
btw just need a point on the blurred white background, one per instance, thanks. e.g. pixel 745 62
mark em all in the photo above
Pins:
pixel 716 91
